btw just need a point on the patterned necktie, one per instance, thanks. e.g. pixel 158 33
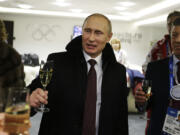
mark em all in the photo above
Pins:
pixel 178 71
pixel 89 118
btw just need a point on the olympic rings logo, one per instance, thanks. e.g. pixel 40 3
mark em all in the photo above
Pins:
pixel 43 31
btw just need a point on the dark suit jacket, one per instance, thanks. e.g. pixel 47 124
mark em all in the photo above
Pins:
pixel 67 92
pixel 158 72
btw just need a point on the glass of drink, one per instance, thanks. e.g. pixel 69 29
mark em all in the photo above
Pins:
pixel 146 87
pixel 17 111
pixel 1 111
pixel 45 75
pixel 1 122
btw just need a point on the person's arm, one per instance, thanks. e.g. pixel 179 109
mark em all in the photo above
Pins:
pixel 140 95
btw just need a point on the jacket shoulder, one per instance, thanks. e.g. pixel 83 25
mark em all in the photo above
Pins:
pixel 121 66
pixel 57 56
pixel 159 62
pixel 157 67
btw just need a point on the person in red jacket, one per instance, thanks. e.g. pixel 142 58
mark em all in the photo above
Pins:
pixel 164 81
pixel 162 48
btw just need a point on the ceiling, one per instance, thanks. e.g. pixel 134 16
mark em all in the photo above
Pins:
pixel 138 12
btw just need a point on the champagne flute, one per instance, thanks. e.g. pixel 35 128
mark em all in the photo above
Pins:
pixel 146 87
pixel 45 75
pixel 17 112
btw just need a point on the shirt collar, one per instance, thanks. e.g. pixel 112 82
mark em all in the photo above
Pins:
pixel 97 59
pixel 175 60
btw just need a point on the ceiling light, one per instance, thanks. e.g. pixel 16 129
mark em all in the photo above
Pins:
pixel 41 12
pixel 117 17
pixel 54 13
pixel 156 7
pixel 76 10
pixel 60 0
pixel 61 3
pixel 125 13
pixel 2 0
pixel 24 6
pixel 126 4
pixel 120 8
pixel 151 20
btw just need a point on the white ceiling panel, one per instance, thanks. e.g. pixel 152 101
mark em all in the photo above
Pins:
pixel 108 7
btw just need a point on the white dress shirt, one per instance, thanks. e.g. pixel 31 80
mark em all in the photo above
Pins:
pixel 121 56
pixel 99 73
pixel 175 61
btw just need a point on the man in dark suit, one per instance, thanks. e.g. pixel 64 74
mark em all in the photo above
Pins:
pixel 66 96
pixel 163 75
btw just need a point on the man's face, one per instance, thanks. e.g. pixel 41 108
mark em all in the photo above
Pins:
pixel 95 35
pixel 170 21
pixel 175 41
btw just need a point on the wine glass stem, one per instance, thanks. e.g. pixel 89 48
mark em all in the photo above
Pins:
pixel 42 105
pixel 44 87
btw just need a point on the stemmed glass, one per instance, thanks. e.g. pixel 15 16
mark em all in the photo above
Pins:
pixel 45 75
pixel 146 87
pixel 17 111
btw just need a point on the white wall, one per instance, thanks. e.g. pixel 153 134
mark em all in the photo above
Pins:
pixel 136 40
pixel 43 35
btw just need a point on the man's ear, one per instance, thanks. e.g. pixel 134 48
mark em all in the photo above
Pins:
pixel 110 36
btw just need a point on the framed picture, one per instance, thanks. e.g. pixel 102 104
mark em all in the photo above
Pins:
pixel 77 30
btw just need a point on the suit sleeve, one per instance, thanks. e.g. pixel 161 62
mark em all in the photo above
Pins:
pixel 124 119
pixel 148 76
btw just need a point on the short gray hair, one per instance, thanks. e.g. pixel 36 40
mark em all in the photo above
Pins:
pixel 100 15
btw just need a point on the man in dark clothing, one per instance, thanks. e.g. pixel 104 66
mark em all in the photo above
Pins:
pixel 165 89
pixel 66 96
pixel 160 50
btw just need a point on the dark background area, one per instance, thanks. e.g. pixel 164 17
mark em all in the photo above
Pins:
pixel 10 30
